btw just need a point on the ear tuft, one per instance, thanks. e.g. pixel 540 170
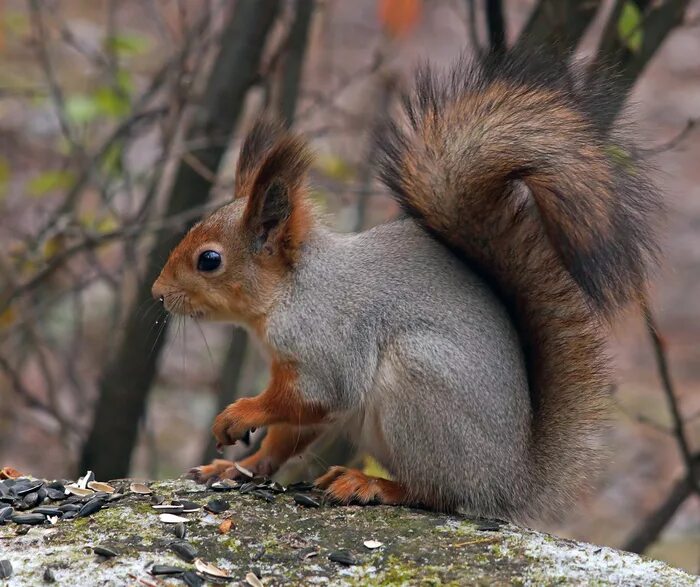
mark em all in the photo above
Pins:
pixel 278 214
pixel 261 138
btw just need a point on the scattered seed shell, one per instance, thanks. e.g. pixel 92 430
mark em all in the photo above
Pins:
pixel 9 473
pixel 105 551
pixel 253 580
pixel 26 489
pixel 242 469
pixel 372 544
pixel 79 491
pixel 180 530
pixel 5 569
pixel 306 501
pixel 209 569
pixel 216 506
pixel 192 579
pixel 184 550
pixel 103 487
pixel 140 488
pixel 169 508
pixel 87 478
pixel 172 519
pixel 165 570
pixel 342 557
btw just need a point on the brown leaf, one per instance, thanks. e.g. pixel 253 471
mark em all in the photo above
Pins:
pixel 399 17
pixel 225 526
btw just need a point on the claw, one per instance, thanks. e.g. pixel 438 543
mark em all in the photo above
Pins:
pixel 219 448
pixel 245 439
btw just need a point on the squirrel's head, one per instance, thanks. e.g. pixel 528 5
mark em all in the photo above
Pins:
pixel 232 265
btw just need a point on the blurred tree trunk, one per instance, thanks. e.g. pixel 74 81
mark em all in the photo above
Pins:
pixel 126 381
pixel 289 72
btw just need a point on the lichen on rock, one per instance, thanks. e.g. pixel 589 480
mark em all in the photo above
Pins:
pixel 287 544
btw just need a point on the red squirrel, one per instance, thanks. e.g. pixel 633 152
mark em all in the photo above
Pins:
pixel 464 346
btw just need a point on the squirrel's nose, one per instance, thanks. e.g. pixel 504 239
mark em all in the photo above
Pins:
pixel 157 292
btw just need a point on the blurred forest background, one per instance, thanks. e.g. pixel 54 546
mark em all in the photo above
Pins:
pixel 119 124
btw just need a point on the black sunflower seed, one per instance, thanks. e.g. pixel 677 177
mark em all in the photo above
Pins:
pixel 91 507
pixel 180 530
pixel 165 570
pixel 188 506
pixel 49 576
pixel 105 551
pixel 5 514
pixel 26 488
pixel 56 485
pixel 5 569
pixel 248 487
pixel 488 527
pixel 56 494
pixel 300 486
pixel 70 515
pixel 184 550
pixel 69 507
pixel 47 511
pixel 29 519
pixel 216 506
pixel 157 499
pixel 264 494
pixel 342 557
pixel 192 579
pixel 30 500
pixel 306 501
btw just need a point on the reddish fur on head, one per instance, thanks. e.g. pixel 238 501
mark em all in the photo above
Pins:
pixel 259 236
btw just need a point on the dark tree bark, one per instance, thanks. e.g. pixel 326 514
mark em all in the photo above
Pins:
pixel 127 379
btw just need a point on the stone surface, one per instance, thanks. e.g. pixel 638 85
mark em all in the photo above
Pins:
pixel 287 544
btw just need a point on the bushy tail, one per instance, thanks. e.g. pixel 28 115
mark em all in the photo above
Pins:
pixel 564 254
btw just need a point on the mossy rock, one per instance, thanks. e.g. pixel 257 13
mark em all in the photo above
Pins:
pixel 287 544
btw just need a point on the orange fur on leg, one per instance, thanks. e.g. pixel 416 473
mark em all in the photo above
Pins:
pixel 279 403
pixel 348 486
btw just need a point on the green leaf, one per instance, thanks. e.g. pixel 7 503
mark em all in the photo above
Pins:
pixel 629 26
pixel 81 109
pixel 49 181
pixel 112 160
pixel 111 102
pixel 4 177
pixel 127 44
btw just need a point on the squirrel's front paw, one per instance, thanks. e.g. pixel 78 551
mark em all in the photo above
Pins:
pixel 233 424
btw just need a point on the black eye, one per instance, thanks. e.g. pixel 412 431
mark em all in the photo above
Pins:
pixel 209 261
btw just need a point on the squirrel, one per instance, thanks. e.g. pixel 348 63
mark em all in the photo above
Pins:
pixel 462 345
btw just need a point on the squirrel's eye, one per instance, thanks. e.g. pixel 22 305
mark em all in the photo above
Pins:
pixel 209 261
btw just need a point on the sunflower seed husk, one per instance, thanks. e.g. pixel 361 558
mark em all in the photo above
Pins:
pixel 103 487
pixel 105 551
pixel 140 488
pixel 47 511
pixel 30 500
pixel 247 487
pixel 189 506
pixel 56 494
pixel 79 491
pixel 216 506
pixel 165 570
pixel 91 507
pixel 29 519
pixel 172 519
pixel 372 544
pixel 25 488
pixel 184 550
pixel 209 569
pixel 308 553
pixel 169 509
pixel 264 494
pixel 306 501
pixel 5 514
pixel 53 520
pixel 253 580
pixel 300 486
pixel 242 469
pixel 49 576
pixel 180 530
pixel 87 478
pixel 5 569
pixel 9 473
pixel 225 485
pixel 192 579
pixel 342 557
pixel 157 499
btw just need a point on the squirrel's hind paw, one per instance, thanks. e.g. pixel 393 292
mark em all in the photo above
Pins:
pixel 348 486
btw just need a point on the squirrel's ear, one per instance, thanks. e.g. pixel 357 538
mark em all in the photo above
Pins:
pixel 259 140
pixel 278 215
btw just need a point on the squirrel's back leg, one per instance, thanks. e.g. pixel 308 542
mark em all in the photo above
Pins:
pixel 348 486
